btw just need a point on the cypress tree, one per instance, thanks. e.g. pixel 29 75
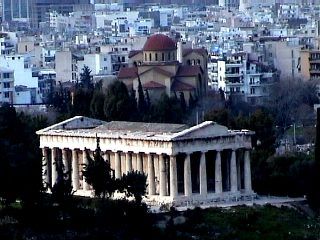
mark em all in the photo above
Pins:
pixel 183 102
pixel 141 99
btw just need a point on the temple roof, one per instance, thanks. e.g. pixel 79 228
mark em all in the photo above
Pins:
pixel 137 127
pixel 87 127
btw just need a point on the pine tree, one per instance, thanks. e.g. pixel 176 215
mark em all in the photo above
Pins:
pixel 86 78
pixel 99 174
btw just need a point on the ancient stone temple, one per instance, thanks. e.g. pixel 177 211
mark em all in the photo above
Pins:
pixel 198 164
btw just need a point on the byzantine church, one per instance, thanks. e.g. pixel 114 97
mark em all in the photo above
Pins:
pixel 166 66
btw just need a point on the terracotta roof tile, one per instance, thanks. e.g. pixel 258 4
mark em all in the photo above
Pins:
pixel 180 86
pixel 153 85
pixel 159 70
pixel 128 72
pixel 189 71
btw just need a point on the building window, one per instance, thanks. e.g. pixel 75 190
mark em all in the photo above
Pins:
pixel 169 56
pixel 162 56
pixel 6 85
pixel 156 56
pixel 150 57
pixel 6 95
pixel 26 48
pixel 6 75
pixel 252 91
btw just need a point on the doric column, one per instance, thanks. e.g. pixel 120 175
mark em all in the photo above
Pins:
pixel 85 161
pixel 187 176
pixel 65 160
pixel 203 174
pixel 173 177
pixel 75 170
pixel 117 165
pixel 139 163
pixel 128 162
pixel 45 167
pixel 218 174
pixel 152 186
pixel 239 173
pixel 163 176
pixel 233 172
pixel 54 165
pixel 106 157
pixel 247 172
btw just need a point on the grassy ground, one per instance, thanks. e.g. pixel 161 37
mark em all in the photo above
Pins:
pixel 114 222
pixel 242 222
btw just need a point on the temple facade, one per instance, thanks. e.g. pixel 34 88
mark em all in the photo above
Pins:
pixel 198 164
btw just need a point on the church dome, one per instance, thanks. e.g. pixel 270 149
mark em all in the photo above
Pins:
pixel 159 42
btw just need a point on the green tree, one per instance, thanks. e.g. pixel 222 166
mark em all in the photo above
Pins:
pixel 167 110
pixel 99 174
pixel 81 102
pixel 134 184
pixel 142 105
pixel 96 105
pixel 20 157
pixel 183 102
pixel 62 191
pixel 86 78
pixel 118 104
pixel 314 192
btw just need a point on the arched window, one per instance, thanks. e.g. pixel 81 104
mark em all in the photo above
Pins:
pixel 169 56
pixel 145 57
pixel 156 56
pixel 162 56
pixel 150 57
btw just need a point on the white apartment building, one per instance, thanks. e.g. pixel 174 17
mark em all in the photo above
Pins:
pixel 246 80
pixel 6 85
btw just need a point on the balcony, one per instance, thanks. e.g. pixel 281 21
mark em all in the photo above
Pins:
pixel 233 74
pixel 5 80
pixel 314 70
pixel 315 60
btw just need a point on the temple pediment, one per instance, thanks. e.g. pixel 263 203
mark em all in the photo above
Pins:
pixel 77 122
pixel 203 130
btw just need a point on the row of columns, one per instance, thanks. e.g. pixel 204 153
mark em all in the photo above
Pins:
pixel 163 180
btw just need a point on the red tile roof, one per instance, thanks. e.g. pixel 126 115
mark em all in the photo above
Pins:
pixel 159 42
pixel 181 86
pixel 128 72
pixel 159 70
pixel 189 71
pixel 153 85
